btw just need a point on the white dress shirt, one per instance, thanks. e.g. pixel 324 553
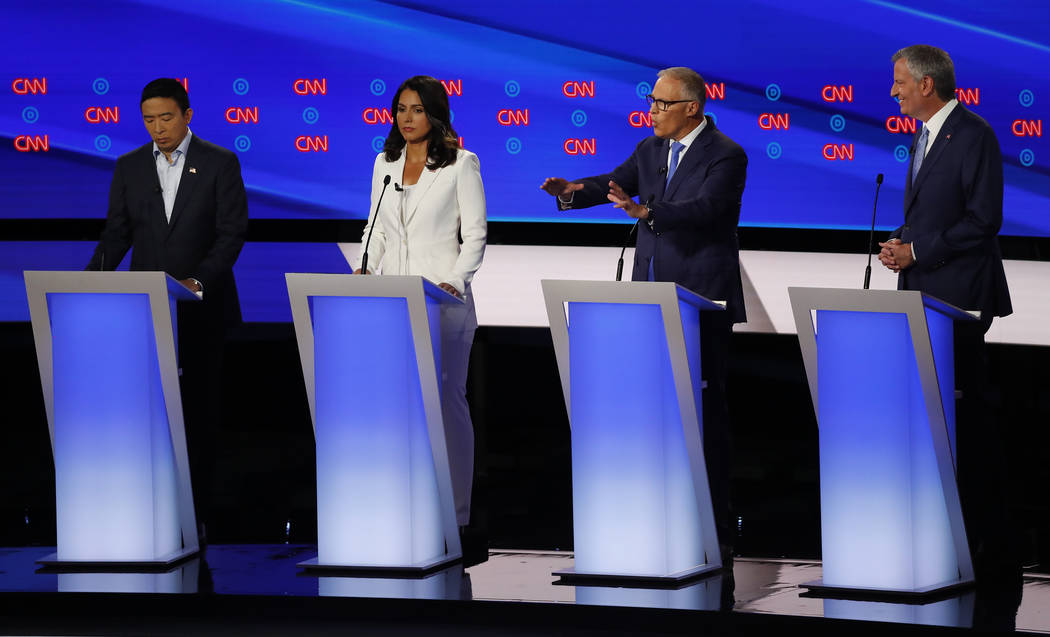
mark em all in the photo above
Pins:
pixel 170 172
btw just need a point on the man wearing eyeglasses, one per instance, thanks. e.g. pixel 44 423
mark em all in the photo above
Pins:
pixel 689 178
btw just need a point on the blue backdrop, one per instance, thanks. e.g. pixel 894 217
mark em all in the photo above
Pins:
pixel 547 87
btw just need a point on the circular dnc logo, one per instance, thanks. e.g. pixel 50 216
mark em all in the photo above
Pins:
pixel 714 118
pixel 900 153
pixel 241 86
pixel 838 123
pixel 100 86
pixel 773 92
pixel 579 118
pixel 311 115
pixel 774 151
pixel 1027 157
pixel 1026 98
pixel 513 145
pixel 30 115
pixel 377 143
pixel 103 143
pixel 378 87
pixel 512 89
pixel 643 89
pixel 242 143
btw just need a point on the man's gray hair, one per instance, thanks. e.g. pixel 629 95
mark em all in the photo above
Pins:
pixel 693 87
pixel 923 60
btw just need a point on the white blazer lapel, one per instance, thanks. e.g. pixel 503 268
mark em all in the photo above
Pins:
pixel 396 170
pixel 426 180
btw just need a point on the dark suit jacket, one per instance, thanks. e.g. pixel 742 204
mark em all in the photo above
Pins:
pixel 207 228
pixel 952 216
pixel 693 240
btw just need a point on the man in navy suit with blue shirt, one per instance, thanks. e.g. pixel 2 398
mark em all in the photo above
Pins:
pixel 689 178
pixel 948 247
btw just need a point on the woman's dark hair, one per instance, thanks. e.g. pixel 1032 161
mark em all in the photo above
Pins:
pixel 443 140
pixel 167 87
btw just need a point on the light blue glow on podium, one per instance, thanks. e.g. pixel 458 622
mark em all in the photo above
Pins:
pixel 705 594
pixel 956 611
pixel 182 579
pixel 445 584
pixel 116 492
pixel 884 520
pixel 942 343
pixel 377 494
pixel 634 503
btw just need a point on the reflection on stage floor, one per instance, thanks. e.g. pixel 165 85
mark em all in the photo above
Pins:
pixel 754 586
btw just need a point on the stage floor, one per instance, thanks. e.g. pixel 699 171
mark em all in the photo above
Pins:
pixel 516 586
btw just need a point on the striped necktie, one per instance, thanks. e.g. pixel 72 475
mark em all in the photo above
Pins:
pixel 920 153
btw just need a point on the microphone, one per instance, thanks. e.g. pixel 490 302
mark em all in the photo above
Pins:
pixel 634 226
pixel 663 170
pixel 871 237
pixel 398 188
pixel 375 218
pixel 157 189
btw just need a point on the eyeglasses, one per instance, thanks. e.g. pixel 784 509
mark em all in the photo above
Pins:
pixel 663 105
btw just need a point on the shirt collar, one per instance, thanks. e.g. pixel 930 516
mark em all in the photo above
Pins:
pixel 180 150
pixel 692 135
pixel 938 119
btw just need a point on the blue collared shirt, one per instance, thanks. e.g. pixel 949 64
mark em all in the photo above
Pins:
pixel 170 172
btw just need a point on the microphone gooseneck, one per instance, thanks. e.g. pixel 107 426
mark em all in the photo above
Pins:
pixel 634 226
pixel 871 237
pixel 375 217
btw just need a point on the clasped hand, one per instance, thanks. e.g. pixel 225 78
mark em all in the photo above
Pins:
pixel 896 255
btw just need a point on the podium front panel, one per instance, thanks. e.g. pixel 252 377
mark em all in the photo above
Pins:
pixel 115 476
pixel 879 482
pixel 633 495
pixel 373 449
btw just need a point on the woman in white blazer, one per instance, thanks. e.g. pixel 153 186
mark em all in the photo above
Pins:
pixel 435 198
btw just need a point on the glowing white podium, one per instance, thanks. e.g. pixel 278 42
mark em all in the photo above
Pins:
pixel 370 348
pixel 880 365
pixel 105 344
pixel 629 359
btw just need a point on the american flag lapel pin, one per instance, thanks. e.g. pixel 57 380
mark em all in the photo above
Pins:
pixel 193 170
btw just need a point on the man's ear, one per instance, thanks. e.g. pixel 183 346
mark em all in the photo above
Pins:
pixel 926 87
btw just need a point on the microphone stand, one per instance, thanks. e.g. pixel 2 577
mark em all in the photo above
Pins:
pixel 375 218
pixel 871 237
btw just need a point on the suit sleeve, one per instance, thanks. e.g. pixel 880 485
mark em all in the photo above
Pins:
pixel 231 223
pixel 116 235
pixel 470 198
pixel 377 246
pixel 596 189
pixel 982 182
pixel 714 204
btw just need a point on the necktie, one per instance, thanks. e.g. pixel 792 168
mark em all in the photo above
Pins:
pixel 676 149
pixel 920 152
